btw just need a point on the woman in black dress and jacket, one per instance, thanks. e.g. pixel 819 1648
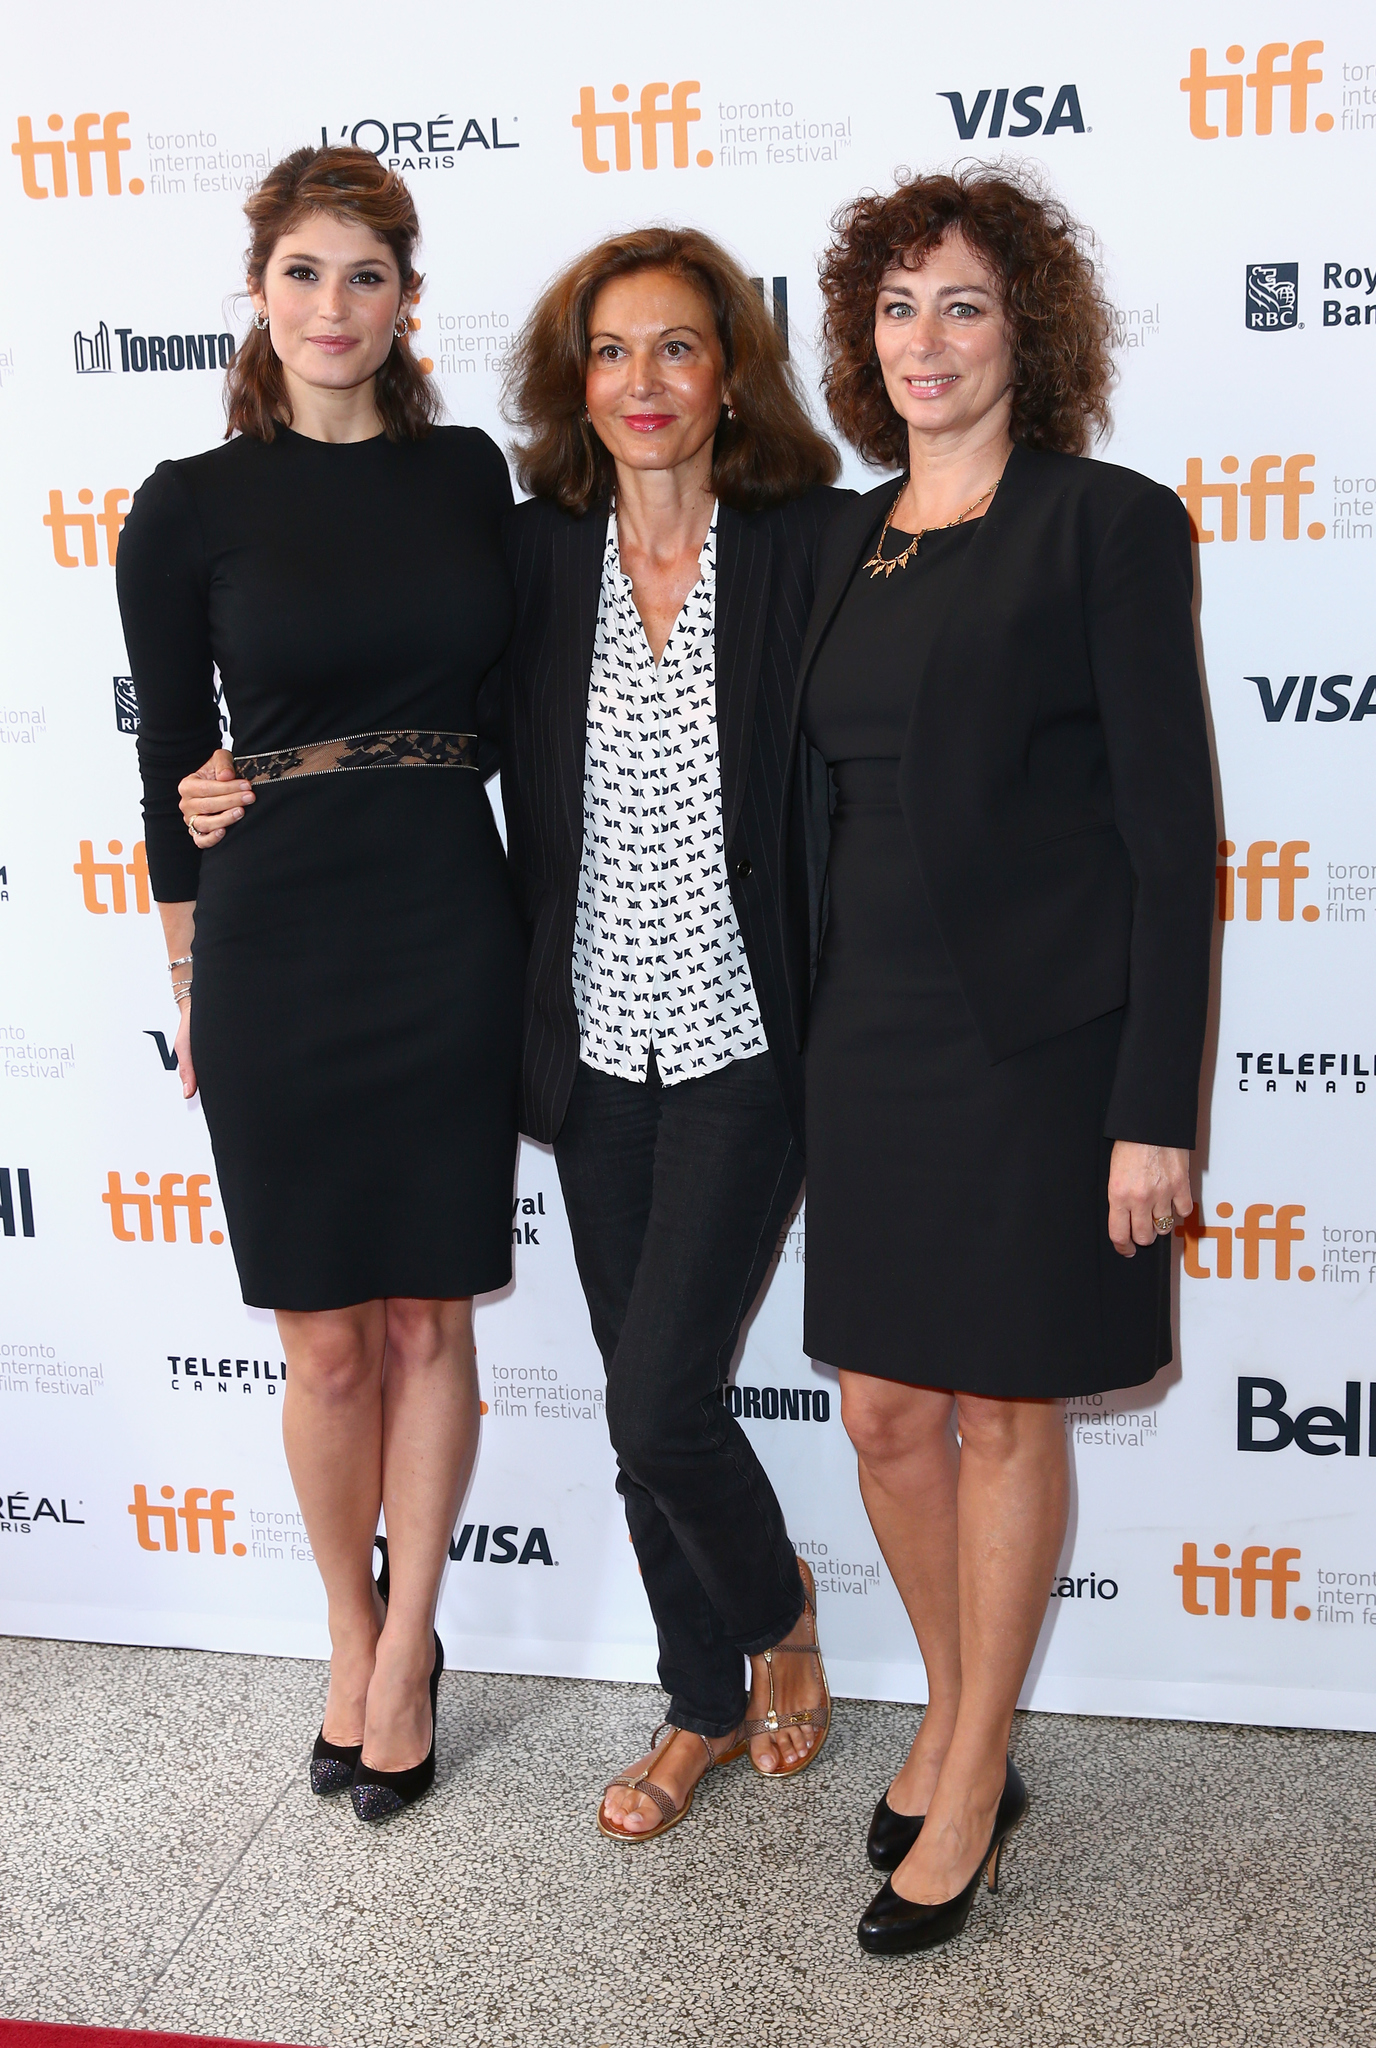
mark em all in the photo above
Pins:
pixel 354 1022
pixel 1007 1021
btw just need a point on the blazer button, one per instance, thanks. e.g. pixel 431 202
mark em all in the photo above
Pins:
pixel 742 868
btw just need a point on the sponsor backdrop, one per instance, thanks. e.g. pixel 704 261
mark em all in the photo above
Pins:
pixel 1222 1555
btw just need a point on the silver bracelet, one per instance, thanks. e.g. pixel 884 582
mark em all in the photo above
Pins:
pixel 185 961
pixel 180 989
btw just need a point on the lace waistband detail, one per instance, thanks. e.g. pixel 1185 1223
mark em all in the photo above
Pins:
pixel 362 750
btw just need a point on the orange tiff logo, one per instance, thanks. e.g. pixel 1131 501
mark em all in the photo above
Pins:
pixel 60 523
pixel 1252 1233
pixel 83 146
pixel 199 1505
pixel 1270 77
pixel 175 1192
pixel 649 117
pixel 1251 1573
pixel 1290 486
pixel 92 870
pixel 1255 872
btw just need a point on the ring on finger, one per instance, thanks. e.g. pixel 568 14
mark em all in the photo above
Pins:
pixel 1164 1223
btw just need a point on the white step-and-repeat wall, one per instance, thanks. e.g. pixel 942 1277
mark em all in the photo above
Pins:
pixel 1222 1556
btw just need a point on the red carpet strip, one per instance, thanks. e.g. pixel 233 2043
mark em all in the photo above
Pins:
pixel 33 2034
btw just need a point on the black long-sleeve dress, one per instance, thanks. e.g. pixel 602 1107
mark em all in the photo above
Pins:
pixel 356 1009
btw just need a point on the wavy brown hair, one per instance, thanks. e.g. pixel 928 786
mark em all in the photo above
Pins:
pixel 353 186
pixel 1058 318
pixel 769 453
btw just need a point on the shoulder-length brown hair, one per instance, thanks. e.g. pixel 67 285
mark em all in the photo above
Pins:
pixel 353 186
pixel 769 453
pixel 1058 317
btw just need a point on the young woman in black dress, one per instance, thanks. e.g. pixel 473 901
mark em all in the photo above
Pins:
pixel 354 1023
pixel 1007 1024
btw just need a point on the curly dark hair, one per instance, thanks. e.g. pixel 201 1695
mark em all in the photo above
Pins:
pixel 1057 315
pixel 769 453
pixel 352 185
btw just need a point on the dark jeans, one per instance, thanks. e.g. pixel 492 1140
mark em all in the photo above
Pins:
pixel 675 1199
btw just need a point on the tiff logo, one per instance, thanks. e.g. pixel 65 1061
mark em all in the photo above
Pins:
pixel 91 870
pixel 60 522
pixel 1269 77
pixel 119 1200
pixel 649 117
pixel 83 146
pixel 1260 488
pixel 1255 873
pixel 1251 1573
pixel 1252 1233
pixel 192 1512
pixel 93 353
pixel 7 1217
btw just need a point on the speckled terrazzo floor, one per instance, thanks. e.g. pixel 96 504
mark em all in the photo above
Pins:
pixel 163 1865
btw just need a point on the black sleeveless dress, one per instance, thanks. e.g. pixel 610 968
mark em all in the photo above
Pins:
pixel 957 1211
pixel 356 1008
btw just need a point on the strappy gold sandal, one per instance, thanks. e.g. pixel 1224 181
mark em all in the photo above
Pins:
pixel 810 1717
pixel 662 1799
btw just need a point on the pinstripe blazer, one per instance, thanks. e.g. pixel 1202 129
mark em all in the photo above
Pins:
pixel 765 574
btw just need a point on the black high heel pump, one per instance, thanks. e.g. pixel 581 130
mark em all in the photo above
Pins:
pixel 891 1835
pixel 377 1795
pixel 894 1926
pixel 333 1764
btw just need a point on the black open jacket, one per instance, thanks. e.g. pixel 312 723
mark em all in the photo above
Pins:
pixel 1055 778
pixel 765 577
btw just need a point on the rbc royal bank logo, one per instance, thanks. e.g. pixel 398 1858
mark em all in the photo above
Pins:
pixel 649 117
pixel 1273 295
pixel 1270 77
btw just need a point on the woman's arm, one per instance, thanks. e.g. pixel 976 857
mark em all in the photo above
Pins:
pixel 1139 629
pixel 179 929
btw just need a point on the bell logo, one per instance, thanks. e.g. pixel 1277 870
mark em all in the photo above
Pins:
pixel 1252 1233
pixel 198 1506
pixel 1256 871
pixel 1269 77
pixel 1290 486
pixel 91 870
pixel 649 117
pixel 121 1202
pixel 60 522
pixel 84 146
pixel 1250 1573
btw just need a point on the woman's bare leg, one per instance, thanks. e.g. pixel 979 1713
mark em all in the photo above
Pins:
pixel 428 1444
pixel 1011 1515
pixel 332 1432
pixel 904 1439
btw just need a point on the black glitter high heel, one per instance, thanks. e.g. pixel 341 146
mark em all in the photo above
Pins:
pixel 333 1764
pixel 377 1795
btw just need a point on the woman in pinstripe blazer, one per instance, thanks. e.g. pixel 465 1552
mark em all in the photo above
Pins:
pixel 664 573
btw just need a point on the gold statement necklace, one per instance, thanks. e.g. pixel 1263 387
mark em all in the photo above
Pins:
pixel 877 564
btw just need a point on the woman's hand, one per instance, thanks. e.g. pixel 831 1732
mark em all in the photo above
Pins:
pixel 213 798
pixel 1145 1182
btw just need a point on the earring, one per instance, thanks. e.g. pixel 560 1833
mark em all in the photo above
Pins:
pixel 402 328
pixel 730 410
pixel 260 320
pixel 586 417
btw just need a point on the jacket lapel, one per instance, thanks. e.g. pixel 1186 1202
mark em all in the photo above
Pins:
pixel 579 545
pixel 744 554
pixel 863 521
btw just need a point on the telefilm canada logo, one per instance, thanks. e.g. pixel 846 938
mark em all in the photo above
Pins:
pixel 225 1375
pixel 1273 297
